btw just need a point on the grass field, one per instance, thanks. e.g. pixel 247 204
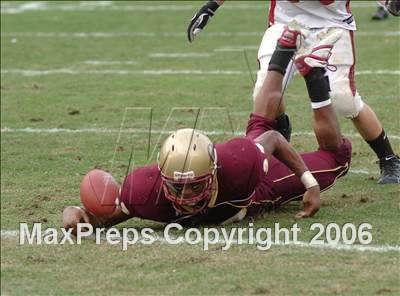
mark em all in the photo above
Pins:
pixel 73 73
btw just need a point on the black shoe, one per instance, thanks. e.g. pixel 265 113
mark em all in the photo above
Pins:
pixel 284 126
pixel 390 170
pixel 380 14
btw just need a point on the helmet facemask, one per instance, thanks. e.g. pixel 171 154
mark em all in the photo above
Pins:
pixel 187 162
pixel 189 196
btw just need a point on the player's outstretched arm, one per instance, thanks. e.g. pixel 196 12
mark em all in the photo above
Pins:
pixel 275 144
pixel 73 215
pixel 202 17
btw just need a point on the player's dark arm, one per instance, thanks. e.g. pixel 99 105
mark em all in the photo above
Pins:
pixel 275 144
pixel 74 215
pixel 202 17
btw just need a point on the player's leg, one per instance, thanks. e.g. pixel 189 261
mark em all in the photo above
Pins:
pixel 267 101
pixel 334 154
pixel 265 52
pixel 326 128
pixel 325 123
pixel 271 77
pixel 332 160
pixel 348 103
pixel 311 65
pixel 268 90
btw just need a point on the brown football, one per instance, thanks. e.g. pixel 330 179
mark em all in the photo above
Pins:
pixel 99 191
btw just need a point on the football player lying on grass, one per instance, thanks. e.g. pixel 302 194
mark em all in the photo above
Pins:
pixel 196 182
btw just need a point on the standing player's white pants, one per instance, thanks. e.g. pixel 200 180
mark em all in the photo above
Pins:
pixel 344 95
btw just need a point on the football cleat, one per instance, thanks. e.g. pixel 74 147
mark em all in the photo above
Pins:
pixel 319 55
pixel 390 170
pixel 293 35
pixel 380 14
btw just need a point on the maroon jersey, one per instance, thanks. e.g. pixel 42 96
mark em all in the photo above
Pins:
pixel 240 170
pixel 143 196
pixel 242 181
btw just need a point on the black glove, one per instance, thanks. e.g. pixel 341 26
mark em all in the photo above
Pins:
pixel 393 6
pixel 200 19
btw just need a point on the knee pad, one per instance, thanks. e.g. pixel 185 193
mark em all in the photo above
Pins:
pixel 343 100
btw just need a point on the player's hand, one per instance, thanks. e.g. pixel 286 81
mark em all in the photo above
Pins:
pixel 74 215
pixel 200 19
pixel 311 203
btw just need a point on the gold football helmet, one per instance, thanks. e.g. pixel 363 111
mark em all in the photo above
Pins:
pixel 187 162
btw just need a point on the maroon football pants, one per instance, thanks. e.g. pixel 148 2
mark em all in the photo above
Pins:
pixel 280 185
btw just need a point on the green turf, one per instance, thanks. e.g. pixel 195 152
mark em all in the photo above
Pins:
pixel 40 172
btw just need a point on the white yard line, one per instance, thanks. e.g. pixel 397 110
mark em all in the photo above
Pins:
pixel 145 131
pixel 348 135
pixel 97 62
pixel 236 48
pixel 7 8
pixel 69 71
pixel 121 34
pixel 300 244
pixel 377 34
pixel 28 130
pixel 162 55
pixel 163 34
pixel 360 171
pixel 378 72
pixel 9 233
pixel 89 6
pixel 102 130
pixel 344 247
pixel 81 34
pixel 357 171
